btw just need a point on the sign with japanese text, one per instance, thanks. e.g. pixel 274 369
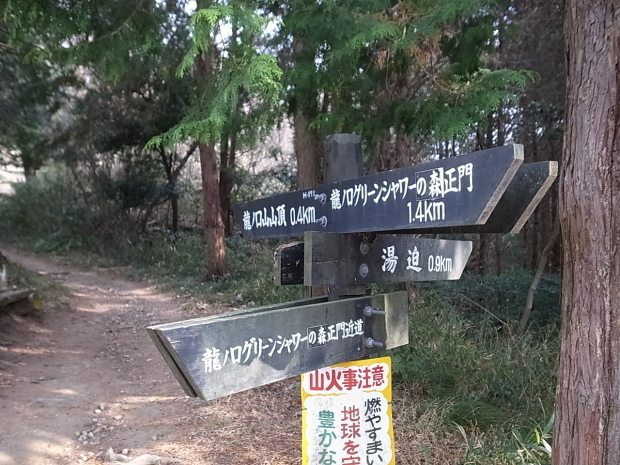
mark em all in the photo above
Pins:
pixel 527 188
pixel 453 191
pixel 348 259
pixel 223 354
pixel 347 414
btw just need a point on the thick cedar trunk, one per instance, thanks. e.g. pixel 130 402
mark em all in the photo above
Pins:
pixel 587 430
pixel 213 224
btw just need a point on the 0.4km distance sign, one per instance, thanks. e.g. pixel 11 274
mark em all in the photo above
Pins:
pixel 454 191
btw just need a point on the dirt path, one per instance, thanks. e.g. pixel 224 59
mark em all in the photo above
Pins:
pixel 87 377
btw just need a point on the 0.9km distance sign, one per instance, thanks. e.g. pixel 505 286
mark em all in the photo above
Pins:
pixel 454 191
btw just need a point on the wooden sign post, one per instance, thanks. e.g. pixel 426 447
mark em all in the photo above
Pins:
pixel 487 191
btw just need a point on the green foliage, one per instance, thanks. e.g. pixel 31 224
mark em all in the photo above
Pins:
pixel 224 73
pixel 534 447
pixel 489 375
pixel 88 32
pixel 530 445
pixel 481 380
pixel 48 211
pixel 421 68
pixel 57 212
pixel 497 301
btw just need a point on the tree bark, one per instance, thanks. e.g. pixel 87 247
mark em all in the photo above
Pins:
pixel 587 429
pixel 213 224
pixel 307 152
pixel 307 143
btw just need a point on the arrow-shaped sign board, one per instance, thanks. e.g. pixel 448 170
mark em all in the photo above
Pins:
pixel 326 258
pixel 527 188
pixel 449 192
pixel 219 355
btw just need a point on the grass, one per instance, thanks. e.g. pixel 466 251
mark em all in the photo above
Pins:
pixel 491 386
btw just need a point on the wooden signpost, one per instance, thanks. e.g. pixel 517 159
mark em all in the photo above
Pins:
pixel 349 228
pixel 524 193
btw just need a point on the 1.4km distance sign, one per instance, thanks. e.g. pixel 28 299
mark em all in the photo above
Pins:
pixel 454 191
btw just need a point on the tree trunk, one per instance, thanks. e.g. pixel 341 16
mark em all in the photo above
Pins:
pixel 174 206
pixel 500 264
pixel 307 143
pixel 529 304
pixel 587 430
pixel 307 151
pixel 213 224
pixel 483 253
pixel 225 186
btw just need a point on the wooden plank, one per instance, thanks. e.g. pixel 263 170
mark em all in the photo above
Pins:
pixel 523 195
pixel 172 364
pixel 14 295
pixel 444 193
pixel 526 190
pixel 223 354
pixel 348 258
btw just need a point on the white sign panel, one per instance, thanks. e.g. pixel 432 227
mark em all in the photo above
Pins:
pixel 347 416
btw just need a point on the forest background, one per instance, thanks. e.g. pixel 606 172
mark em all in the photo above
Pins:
pixel 138 123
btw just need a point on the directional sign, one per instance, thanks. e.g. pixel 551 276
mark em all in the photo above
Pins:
pixel 223 354
pixel 326 258
pixel 523 195
pixel 450 192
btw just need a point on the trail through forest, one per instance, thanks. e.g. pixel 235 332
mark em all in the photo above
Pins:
pixel 85 377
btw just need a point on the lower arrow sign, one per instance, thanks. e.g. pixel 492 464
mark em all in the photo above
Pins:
pixel 223 354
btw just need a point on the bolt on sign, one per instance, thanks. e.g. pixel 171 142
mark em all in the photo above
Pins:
pixel 347 414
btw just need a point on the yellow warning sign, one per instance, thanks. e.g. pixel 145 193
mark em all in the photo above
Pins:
pixel 347 414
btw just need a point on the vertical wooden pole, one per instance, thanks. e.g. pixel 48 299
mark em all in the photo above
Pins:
pixel 342 161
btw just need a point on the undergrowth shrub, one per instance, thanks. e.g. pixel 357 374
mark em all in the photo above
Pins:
pixel 56 213
pixel 496 374
pixel 491 384
pixel 499 300
pixel 48 211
